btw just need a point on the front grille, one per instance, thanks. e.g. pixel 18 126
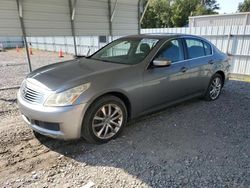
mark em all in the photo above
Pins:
pixel 31 95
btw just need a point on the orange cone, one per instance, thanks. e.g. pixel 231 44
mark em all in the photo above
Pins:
pixel 60 53
pixel 30 50
pixel 17 48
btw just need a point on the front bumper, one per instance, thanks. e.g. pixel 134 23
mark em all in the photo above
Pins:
pixel 69 119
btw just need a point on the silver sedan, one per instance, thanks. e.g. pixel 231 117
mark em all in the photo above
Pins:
pixel 95 96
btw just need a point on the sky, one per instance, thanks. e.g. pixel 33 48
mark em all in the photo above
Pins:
pixel 228 6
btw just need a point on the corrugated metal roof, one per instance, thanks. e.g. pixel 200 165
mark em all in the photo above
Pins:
pixel 52 17
pixel 9 22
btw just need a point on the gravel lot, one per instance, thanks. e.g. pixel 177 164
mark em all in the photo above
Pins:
pixel 14 66
pixel 194 144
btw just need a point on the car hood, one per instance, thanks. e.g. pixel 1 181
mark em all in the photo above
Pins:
pixel 64 75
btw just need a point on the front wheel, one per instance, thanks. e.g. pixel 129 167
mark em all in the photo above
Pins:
pixel 214 88
pixel 104 120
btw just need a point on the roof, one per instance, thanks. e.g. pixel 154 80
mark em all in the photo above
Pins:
pixel 161 35
pixel 154 35
pixel 220 15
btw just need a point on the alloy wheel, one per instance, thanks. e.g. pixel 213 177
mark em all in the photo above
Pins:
pixel 107 121
pixel 215 88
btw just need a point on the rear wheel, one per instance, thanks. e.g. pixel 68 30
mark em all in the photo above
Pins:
pixel 214 88
pixel 104 120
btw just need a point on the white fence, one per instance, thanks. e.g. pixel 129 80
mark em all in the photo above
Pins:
pixel 234 40
pixel 11 42
pixel 66 44
pixel 85 44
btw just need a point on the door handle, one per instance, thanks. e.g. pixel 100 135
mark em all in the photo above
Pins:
pixel 211 62
pixel 184 69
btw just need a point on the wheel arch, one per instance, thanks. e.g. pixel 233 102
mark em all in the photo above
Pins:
pixel 222 75
pixel 119 95
pixel 85 132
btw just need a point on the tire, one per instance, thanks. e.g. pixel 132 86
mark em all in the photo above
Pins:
pixel 104 120
pixel 38 135
pixel 214 88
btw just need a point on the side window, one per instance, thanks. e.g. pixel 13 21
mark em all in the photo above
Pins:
pixel 172 51
pixel 195 48
pixel 145 45
pixel 208 49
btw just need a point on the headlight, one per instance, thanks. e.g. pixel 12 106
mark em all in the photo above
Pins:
pixel 67 97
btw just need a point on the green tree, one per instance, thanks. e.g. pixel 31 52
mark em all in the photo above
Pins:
pixel 158 14
pixel 244 7
pixel 175 13
pixel 212 6
pixel 182 9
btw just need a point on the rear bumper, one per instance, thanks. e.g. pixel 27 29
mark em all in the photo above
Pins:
pixel 68 119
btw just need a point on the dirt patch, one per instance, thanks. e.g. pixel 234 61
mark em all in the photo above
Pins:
pixel 195 144
pixel 14 65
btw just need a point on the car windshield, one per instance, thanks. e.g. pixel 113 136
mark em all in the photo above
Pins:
pixel 126 51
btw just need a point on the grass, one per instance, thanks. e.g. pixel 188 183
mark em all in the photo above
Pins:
pixel 244 78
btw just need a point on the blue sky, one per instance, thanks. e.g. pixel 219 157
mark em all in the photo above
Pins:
pixel 228 6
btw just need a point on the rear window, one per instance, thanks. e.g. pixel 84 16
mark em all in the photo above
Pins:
pixel 208 49
pixel 197 48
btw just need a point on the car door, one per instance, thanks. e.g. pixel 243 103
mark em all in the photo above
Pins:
pixel 166 84
pixel 199 59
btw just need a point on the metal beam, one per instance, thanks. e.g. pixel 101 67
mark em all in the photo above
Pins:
pixel 113 12
pixel 20 15
pixel 139 16
pixel 110 22
pixel 72 10
pixel 145 10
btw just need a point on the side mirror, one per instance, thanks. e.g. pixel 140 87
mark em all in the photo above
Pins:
pixel 161 62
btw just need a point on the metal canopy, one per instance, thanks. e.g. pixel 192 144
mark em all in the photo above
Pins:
pixel 60 17
pixel 69 18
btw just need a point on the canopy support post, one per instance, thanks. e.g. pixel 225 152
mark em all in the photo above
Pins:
pixel 110 22
pixel 72 10
pixel 139 16
pixel 145 10
pixel 113 12
pixel 20 15
pixel 111 16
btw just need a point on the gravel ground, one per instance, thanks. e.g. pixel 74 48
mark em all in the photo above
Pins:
pixel 14 66
pixel 194 144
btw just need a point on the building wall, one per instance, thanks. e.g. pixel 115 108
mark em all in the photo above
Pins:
pixel 220 20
